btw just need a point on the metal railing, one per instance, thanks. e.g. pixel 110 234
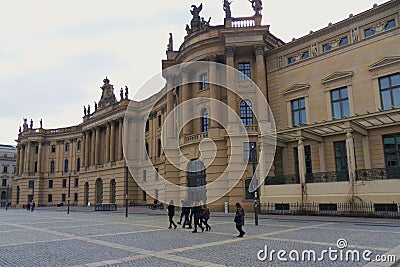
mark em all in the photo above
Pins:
pixel 390 210
pixel 378 174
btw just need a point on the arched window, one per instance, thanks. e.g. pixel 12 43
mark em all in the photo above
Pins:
pixel 99 191
pixel 246 112
pixel 204 120
pixel 79 145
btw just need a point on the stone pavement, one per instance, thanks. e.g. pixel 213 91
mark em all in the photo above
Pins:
pixel 53 238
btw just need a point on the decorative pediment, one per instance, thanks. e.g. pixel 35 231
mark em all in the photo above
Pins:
pixel 337 76
pixel 296 88
pixel 385 62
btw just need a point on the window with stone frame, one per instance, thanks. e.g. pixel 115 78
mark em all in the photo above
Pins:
pixel 246 112
pixel 244 71
pixel 204 120
pixel 203 81
pixel 390 91
pixel 340 103
pixel 299 117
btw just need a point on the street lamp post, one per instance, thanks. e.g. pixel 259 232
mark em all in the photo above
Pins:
pixel 253 159
pixel 69 191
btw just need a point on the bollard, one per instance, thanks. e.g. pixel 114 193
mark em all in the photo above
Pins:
pixel 226 207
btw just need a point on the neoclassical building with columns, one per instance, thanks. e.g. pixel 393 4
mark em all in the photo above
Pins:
pixel 334 94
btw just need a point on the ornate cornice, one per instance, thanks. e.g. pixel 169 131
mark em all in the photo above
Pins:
pixel 384 62
pixel 337 75
pixel 296 88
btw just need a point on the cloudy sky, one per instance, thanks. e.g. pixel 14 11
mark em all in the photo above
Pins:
pixel 55 54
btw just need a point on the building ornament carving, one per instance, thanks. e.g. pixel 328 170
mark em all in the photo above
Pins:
pixel 107 96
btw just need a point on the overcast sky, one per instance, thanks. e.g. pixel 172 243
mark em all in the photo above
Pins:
pixel 55 54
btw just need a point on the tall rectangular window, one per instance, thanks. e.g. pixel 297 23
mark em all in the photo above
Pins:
pixel 64 183
pixel 4 183
pixel 53 148
pixel 342 171
pixel 391 146
pixel 52 165
pixel 31 184
pixel 144 176
pixel 66 163
pixel 159 121
pixel 50 183
pixel 35 169
pixel 63 198
pixel 76 182
pixel 78 164
pixel 147 126
pixel 204 120
pixel 49 198
pixel 67 147
pixel 203 81
pixel 250 152
pixel 144 196
pixel 5 169
pixel 340 103
pixel 390 91
pixel 299 117
pixel 79 146
pixel 76 197
pixel 244 71
pixel 158 148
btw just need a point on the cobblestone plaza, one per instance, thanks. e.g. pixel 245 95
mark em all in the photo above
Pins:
pixel 53 238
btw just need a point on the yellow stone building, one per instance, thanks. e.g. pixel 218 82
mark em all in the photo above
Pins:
pixel 335 96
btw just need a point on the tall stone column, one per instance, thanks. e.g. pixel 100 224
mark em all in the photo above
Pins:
pixel 92 150
pixel 112 142
pixel 120 125
pixel 107 152
pixel 21 160
pixel 351 159
pixel 39 161
pixel 97 146
pixel 261 78
pixel 230 79
pixel 186 95
pixel 214 94
pixel 28 159
pixel 302 167
pixel 170 105
pixel 83 149
pixel 87 150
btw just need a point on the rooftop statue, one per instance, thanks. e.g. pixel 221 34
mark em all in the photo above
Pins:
pixel 197 23
pixel 170 43
pixel 257 6
pixel 227 9
pixel 107 96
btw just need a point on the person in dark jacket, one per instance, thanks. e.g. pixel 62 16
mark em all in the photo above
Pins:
pixel 239 219
pixel 171 213
pixel 186 212
pixel 182 211
pixel 205 216
pixel 196 217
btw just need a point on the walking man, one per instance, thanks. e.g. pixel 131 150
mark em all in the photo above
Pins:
pixel 186 211
pixel 33 206
pixel 205 216
pixel 182 211
pixel 196 215
pixel 171 213
pixel 239 219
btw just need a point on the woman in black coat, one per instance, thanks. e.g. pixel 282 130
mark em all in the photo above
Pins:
pixel 171 213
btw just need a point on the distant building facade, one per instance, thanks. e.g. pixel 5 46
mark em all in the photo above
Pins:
pixel 8 156
pixel 335 96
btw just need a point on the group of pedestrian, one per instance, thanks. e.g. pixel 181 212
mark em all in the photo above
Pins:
pixel 30 207
pixel 196 214
pixel 199 214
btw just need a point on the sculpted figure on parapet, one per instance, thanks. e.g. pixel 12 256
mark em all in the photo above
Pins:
pixel 197 23
pixel 257 6
pixel 227 9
